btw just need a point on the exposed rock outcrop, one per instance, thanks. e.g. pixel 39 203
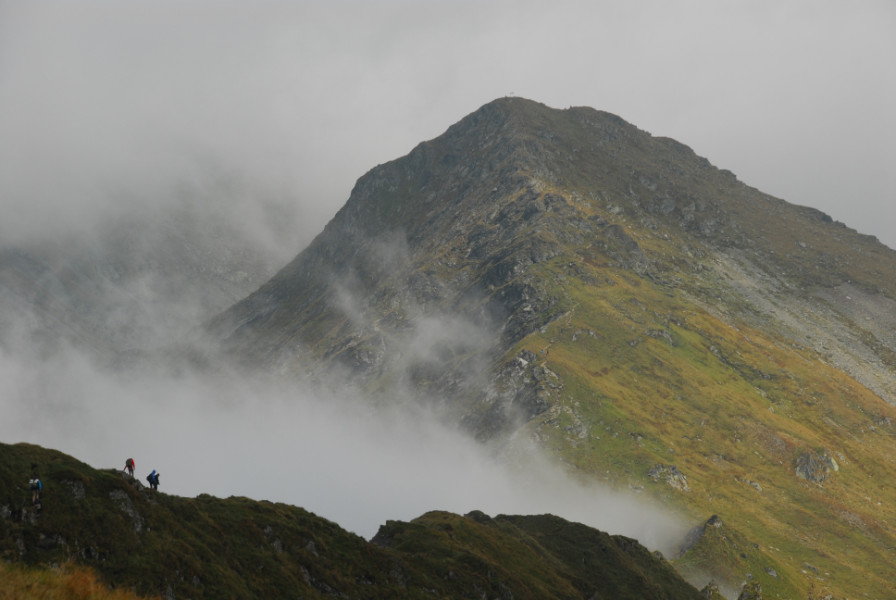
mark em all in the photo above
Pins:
pixel 750 591
pixel 815 466
pixel 671 475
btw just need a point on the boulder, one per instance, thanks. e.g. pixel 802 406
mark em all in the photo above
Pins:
pixel 671 475
pixel 814 466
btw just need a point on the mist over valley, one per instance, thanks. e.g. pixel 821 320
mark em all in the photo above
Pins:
pixel 105 355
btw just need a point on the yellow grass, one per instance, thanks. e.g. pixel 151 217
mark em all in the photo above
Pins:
pixel 66 583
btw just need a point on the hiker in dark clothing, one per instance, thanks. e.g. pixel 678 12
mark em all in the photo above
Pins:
pixel 129 466
pixel 36 487
pixel 153 479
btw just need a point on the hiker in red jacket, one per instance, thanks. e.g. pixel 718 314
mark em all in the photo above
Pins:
pixel 129 466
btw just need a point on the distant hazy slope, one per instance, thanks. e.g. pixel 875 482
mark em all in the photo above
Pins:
pixel 141 281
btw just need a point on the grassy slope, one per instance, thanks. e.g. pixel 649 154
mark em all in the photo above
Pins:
pixel 152 543
pixel 668 365
pixel 18 582
pixel 561 559
pixel 653 379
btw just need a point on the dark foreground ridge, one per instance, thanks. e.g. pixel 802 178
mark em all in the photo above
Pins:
pixel 206 547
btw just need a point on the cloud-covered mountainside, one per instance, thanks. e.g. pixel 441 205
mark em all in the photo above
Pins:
pixel 539 311
pixel 564 279
pixel 138 274
pixel 205 547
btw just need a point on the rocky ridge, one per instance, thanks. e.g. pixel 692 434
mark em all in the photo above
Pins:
pixel 167 546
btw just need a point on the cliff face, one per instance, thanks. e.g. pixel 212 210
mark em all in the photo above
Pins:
pixel 564 278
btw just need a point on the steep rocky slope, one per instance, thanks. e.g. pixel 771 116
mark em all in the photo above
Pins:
pixel 455 226
pixel 206 547
pixel 565 278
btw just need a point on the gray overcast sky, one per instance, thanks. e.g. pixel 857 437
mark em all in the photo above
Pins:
pixel 301 98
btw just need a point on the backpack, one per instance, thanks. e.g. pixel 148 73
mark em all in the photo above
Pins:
pixel 34 483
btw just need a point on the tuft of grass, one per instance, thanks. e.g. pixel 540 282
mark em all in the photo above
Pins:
pixel 69 582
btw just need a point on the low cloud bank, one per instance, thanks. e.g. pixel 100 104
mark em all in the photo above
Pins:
pixel 329 453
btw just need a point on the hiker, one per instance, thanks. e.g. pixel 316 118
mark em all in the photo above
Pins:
pixel 36 488
pixel 153 479
pixel 129 466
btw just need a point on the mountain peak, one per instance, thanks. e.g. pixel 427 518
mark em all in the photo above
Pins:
pixel 560 277
pixel 517 183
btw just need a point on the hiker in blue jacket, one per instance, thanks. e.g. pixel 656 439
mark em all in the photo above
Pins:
pixel 153 479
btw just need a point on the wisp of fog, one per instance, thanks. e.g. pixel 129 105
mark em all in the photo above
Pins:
pixel 328 452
